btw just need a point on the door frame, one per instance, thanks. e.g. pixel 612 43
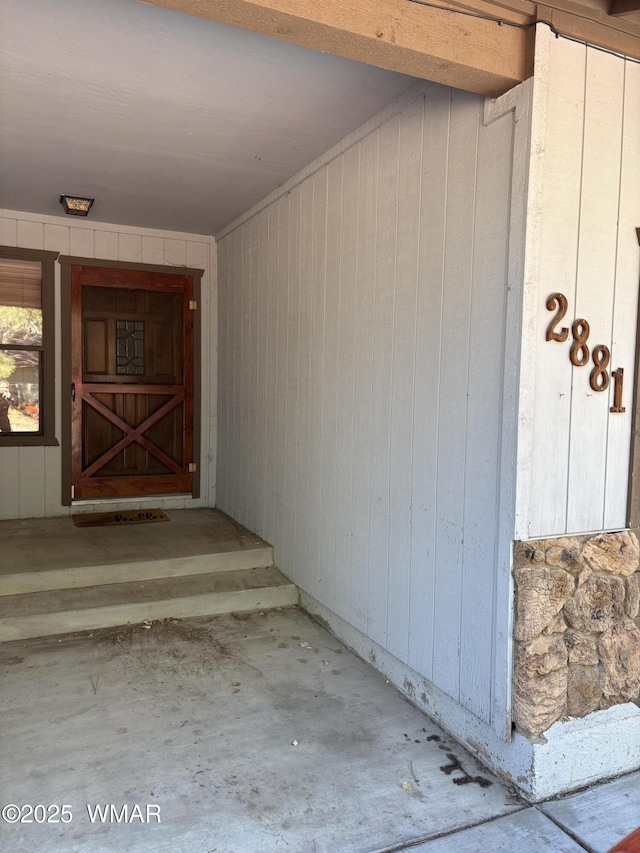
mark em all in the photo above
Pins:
pixel 66 263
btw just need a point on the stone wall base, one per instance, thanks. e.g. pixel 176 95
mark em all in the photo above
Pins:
pixel 577 648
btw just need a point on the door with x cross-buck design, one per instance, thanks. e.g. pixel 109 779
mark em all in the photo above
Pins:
pixel 132 382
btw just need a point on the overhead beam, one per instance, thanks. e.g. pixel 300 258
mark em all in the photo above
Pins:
pixel 435 44
pixel 585 25
pixel 623 7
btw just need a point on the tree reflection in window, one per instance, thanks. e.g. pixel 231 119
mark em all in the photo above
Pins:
pixel 21 345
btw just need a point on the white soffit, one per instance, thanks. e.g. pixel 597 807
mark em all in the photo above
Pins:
pixel 169 121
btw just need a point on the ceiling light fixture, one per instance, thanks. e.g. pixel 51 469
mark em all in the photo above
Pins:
pixel 75 206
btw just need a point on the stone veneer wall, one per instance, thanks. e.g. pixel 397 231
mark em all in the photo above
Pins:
pixel 577 648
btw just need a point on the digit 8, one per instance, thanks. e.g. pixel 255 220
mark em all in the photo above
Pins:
pixel 601 356
pixel 579 344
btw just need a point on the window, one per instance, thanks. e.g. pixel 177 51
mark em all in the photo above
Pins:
pixel 27 404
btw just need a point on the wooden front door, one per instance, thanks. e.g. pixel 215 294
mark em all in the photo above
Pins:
pixel 132 382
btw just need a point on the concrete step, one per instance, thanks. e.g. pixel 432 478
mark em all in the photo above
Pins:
pixel 72 576
pixel 59 611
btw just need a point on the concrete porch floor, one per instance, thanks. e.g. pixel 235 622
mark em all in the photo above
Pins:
pixel 255 733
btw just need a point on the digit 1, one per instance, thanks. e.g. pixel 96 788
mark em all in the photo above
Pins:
pixel 618 376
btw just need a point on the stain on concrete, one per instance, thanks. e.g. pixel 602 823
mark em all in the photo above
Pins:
pixel 466 778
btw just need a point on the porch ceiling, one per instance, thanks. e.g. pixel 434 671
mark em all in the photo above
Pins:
pixel 169 121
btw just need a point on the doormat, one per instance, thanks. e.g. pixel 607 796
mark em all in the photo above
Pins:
pixel 122 518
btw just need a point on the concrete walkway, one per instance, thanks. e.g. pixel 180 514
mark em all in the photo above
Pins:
pixel 252 733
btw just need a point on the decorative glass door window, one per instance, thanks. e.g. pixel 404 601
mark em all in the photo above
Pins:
pixel 130 348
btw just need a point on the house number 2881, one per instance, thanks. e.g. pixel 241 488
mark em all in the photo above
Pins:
pixel 579 352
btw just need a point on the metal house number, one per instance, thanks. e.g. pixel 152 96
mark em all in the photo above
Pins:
pixel 579 353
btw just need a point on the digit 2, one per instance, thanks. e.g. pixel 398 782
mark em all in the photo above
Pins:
pixel 560 300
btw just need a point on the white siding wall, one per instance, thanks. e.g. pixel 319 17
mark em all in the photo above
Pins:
pixel 363 318
pixel 584 208
pixel 31 476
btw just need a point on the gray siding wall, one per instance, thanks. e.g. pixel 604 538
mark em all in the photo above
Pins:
pixel 362 333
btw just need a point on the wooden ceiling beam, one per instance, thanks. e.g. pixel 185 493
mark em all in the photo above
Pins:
pixel 434 44
pixel 614 34
pixel 623 7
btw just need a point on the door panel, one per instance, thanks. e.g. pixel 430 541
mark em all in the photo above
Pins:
pixel 132 371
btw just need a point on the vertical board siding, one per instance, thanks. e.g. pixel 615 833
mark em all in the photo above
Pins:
pixel 345 402
pixel 330 379
pixel 304 385
pixel 282 347
pixel 453 389
pixel 30 234
pixel 560 199
pixel 261 390
pixel 383 316
pixel 625 308
pixel 273 267
pixel 10 496
pixel 430 292
pixel 318 284
pixel 36 472
pixel 484 409
pixel 152 250
pixel 378 312
pixel 599 191
pixel 223 297
pixel 8 231
pixel 363 381
pixel 402 379
pixel 82 244
pixel 106 245
pixel 586 248
pixel 290 431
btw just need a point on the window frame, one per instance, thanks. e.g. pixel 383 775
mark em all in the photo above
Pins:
pixel 45 437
